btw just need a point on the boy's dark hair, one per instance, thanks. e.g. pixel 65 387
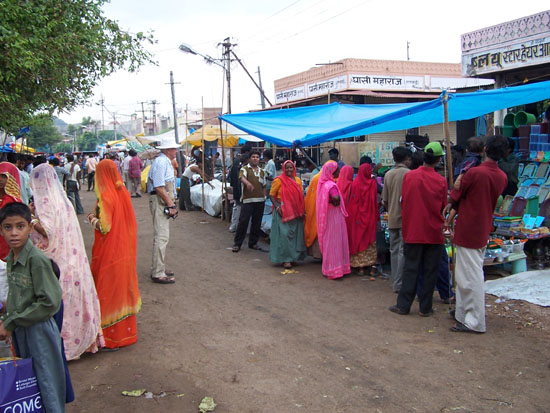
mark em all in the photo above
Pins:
pixel 430 159
pixel 474 144
pixel 54 162
pixel 131 152
pixel 268 154
pixel 365 159
pixel 15 209
pixel 253 152
pixel 496 147
pixel 39 160
pixel 400 154
pixel 12 157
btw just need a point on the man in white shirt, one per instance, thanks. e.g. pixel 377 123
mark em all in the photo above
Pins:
pixel 125 171
pixel 72 184
pixel 91 164
pixel 161 187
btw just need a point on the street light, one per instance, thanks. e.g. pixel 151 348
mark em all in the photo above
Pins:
pixel 187 49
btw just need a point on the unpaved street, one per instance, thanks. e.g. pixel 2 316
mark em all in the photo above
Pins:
pixel 234 328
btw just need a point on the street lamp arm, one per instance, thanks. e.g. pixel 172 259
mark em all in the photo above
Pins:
pixel 251 78
pixel 187 49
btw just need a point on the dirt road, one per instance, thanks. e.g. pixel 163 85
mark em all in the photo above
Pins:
pixel 236 329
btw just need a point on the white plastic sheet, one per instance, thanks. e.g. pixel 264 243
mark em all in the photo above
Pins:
pixel 532 286
pixel 212 197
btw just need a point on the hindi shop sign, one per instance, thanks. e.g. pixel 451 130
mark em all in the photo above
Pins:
pixel 290 95
pixel 385 82
pixel 530 53
pixel 379 152
pixel 326 86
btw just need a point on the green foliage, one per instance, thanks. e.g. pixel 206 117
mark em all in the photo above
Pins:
pixel 63 147
pixel 53 53
pixel 43 135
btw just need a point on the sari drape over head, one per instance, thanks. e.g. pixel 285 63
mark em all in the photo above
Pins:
pixel 345 178
pixel 82 318
pixel 12 193
pixel 331 225
pixel 114 257
pixel 310 224
pixel 292 195
pixel 363 210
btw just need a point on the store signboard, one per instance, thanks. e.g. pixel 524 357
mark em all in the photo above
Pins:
pixel 289 95
pixel 327 86
pixel 530 53
pixel 385 82
pixel 379 152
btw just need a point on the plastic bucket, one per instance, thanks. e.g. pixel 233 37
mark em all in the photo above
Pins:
pixel 507 131
pixel 523 118
pixel 509 119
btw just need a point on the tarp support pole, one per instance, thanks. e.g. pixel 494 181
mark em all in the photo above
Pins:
pixel 203 148
pixel 225 211
pixel 449 158
pixel 307 156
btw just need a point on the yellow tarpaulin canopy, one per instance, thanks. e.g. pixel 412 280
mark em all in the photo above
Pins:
pixel 211 133
pixel 137 139
pixel 19 148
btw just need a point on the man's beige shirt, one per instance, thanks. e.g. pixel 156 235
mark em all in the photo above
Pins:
pixel 391 194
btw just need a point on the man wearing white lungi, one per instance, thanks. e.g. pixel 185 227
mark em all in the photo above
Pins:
pixel 475 200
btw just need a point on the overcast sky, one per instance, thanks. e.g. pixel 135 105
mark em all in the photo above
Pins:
pixel 283 38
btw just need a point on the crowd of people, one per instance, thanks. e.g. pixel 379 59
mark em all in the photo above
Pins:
pixel 55 304
pixel 55 293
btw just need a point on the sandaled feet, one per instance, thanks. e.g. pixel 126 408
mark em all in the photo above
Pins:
pixel 257 248
pixel 461 328
pixel 169 273
pixel 164 280
pixel 287 265
pixel 395 309
pixel 235 248
pixel 429 313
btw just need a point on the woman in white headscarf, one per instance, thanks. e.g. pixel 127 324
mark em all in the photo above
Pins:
pixel 63 244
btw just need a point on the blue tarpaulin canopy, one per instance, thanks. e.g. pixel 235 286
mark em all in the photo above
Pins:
pixel 311 125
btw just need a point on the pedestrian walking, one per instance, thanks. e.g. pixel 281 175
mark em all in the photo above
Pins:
pixel 114 256
pixel 287 227
pixel 331 224
pixel 73 186
pixel 135 167
pixel 161 186
pixel 56 232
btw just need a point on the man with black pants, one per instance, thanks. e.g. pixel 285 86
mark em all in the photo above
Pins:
pixel 423 199
pixel 236 186
pixel 253 180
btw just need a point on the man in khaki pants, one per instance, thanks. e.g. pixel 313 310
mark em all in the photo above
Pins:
pixel 162 191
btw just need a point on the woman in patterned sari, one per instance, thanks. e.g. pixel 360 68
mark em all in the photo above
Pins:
pixel 64 245
pixel 114 257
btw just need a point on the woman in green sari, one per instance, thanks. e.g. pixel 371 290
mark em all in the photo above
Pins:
pixel 287 227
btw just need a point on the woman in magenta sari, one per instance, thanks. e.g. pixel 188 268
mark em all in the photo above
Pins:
pixel 363 217
pixel 331 224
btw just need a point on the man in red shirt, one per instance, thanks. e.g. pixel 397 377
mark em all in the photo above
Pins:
pixel 423 198
pixel 475 202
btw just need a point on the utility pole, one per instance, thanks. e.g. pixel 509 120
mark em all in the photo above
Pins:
pixel 175 120
pixel 102 103
pixel 408 44
pixel 154 103
pixel 114 123
pixel 143 117
pixel 262 99
pixel 227 54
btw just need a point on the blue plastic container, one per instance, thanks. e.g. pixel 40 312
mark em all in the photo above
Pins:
pixel 534 138
pixel 535 128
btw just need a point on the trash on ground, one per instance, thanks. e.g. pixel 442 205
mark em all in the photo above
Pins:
pixel 207 405
pixel 134 393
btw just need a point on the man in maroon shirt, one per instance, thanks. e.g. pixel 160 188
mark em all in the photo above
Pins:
pixel 475 202
pixel 423 198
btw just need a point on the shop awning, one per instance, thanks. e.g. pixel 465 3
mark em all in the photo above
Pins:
pixel 311 125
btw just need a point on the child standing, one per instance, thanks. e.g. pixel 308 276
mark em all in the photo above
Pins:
pixel 34 297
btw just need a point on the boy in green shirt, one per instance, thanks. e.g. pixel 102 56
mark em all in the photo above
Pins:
pixel 34 297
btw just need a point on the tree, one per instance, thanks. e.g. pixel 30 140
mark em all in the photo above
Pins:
pixel 53 53
pixel 63 147
pixel 43 135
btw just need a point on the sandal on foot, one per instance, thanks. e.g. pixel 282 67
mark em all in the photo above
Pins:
pixel 169 273
pixel 287 265
pixel 395 309
pixel 257 248
pixel 235 248
pixel 164 280
pixel 429 313
pixel 461 328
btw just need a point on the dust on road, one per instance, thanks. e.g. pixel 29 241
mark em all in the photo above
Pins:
pixel 234 328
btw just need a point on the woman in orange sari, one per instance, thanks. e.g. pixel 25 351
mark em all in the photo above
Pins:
pixel 114 257
pixel 310 223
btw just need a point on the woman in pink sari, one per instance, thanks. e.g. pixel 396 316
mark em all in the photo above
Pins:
pixel 331 224
pixel 64 244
